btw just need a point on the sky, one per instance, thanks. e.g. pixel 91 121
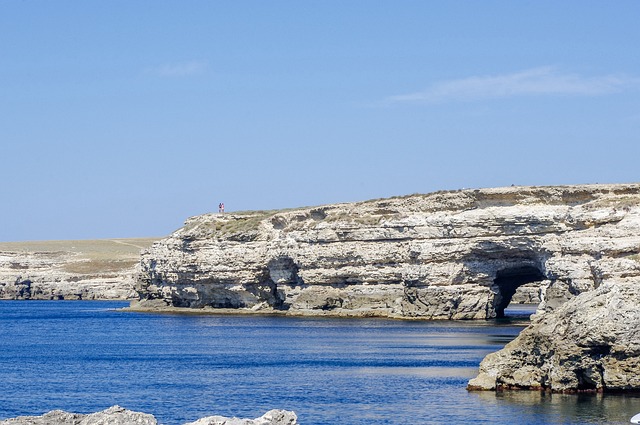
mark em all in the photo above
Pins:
pixel 122 118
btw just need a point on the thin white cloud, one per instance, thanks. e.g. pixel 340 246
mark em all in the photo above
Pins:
pixel 531 82
pixel 182 69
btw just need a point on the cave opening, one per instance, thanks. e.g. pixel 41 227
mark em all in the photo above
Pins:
pixel 508 280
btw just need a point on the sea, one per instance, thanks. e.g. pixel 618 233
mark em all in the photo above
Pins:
pixel 85 356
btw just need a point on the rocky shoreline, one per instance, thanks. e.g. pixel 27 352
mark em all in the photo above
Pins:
pixel 449 255
pixel 467 254
pixel 589 344
pixel 70 270
pixel 117 415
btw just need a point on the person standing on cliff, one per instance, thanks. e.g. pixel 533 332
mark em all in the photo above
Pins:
pixel 221 207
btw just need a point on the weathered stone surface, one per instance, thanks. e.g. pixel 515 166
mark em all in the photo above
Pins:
pixel 114 415
pixel 52 270
pixel 272 417
pixel 446 255
pixel 590 343
pixel 117 415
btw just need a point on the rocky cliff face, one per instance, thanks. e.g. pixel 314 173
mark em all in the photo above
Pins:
pixel 89 269
pixel 447 255
pixel 590 343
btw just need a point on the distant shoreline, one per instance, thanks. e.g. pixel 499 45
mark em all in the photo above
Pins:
pixel 100 269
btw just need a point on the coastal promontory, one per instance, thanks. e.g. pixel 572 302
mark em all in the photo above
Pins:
pixel 464 254
pixel 467 254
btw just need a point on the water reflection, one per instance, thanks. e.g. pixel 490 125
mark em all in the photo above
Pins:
pixel 519 311
pixel 425 372
pixel 566 408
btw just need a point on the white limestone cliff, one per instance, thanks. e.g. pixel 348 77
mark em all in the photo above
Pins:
pixel 446 255
pixel 591 343
pixel 70 270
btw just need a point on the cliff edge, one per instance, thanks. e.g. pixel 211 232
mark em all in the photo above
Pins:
pixel 446 255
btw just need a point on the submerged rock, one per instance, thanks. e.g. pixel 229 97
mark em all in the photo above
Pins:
pixel 590 343
pixel 117 415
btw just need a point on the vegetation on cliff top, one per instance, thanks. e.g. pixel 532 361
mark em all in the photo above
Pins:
pixel 244 225
pixel 87 256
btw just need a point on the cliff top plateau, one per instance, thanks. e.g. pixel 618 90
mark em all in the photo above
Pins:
pixel 81 269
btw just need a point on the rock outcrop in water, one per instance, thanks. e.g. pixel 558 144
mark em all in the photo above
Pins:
pixel 446 255
pixel 272 417
pixel 114 415
pixel 70 270
pixel 117 415
pixel 590 343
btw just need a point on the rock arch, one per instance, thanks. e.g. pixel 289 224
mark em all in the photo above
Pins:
pixel 508 280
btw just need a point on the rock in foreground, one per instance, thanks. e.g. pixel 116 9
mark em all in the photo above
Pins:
pixel 117 415
pixel 114 415
pixel 272 417
pixel 591 343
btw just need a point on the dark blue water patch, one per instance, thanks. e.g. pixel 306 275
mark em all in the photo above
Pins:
pixel 86 356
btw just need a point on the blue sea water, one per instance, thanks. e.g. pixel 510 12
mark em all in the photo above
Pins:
pixel 85 356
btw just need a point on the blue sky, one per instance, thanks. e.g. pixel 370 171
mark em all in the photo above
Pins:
pixel 123 118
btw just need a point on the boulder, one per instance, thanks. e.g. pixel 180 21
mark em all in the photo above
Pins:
pixel 114 415
pixel 272 417
pixel 591 343
pixel 117 415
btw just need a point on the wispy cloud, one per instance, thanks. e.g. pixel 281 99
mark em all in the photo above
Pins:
pixel 531 82
pixel 181 69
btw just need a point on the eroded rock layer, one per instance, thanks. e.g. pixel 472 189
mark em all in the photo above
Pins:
pixel 70 270
pixel 447 255
pixel 590 343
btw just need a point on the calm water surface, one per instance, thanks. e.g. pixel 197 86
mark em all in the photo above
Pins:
pixel 86 356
